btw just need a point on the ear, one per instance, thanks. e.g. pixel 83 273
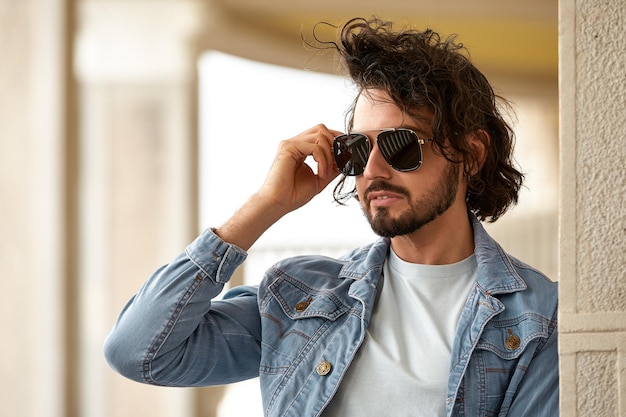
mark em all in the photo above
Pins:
pixel 479 142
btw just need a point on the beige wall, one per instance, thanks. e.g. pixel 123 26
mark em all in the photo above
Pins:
pixel 593 208
pixel 135 67
pixel 33 106
pixel 98 177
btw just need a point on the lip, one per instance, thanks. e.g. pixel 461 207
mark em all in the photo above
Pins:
pixel 383 198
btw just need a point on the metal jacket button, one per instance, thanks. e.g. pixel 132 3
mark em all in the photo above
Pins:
pixel 323 368
pixel 303 305
pixel 512 342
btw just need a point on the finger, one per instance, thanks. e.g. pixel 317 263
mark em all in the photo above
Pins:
pixel 326 139
pixel 317 142
pixel 322 137
pixel 326 160
pixel 334 169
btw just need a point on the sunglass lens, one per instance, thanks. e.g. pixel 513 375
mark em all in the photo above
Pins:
pixel 401 149
pixel 351 153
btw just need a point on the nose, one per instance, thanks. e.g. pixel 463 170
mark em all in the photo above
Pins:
pixel 376 166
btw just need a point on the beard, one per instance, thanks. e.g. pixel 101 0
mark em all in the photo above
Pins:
pixel 436 202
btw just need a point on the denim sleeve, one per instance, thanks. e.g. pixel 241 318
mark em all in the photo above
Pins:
pixel 538 392
pixel 172 332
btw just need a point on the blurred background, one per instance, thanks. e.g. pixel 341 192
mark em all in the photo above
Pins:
pixel 126 127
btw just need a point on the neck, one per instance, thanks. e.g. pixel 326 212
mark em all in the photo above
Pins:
pixel 446 240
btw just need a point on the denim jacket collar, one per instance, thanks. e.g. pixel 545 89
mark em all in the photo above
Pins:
pixel 496 274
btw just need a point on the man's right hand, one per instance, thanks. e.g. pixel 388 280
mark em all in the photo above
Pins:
pixel 289 185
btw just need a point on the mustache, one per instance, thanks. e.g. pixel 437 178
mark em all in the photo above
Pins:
pixel 380 185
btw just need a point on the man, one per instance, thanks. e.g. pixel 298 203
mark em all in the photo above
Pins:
pixel 433 319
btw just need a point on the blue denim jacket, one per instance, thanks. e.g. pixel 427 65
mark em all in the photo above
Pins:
pixel 301 327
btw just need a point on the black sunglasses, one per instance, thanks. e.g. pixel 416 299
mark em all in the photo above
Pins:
pixel 401 148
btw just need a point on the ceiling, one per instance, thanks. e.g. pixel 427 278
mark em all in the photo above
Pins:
pixel 505 37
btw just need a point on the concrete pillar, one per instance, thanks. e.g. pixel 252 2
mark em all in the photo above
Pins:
pixel 36 143
pixel 593 208
pixel 136 67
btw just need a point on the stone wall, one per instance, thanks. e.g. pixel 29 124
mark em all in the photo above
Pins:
pixel 593 208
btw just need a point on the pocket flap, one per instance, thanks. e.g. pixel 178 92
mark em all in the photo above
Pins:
pixel 300 301
pixel 509 338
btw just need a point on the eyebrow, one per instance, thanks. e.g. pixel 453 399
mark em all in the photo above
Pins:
pixel 415 128
pixel 418 117
pixel 421 134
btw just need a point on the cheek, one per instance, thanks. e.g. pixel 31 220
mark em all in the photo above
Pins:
pixel 360 188
pixel 434 165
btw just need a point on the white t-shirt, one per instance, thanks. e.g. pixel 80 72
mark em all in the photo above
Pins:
pixel 402 368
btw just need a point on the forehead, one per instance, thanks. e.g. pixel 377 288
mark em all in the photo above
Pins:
pixel 375 109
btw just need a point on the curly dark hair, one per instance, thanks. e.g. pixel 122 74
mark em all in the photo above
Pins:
pixel 419 69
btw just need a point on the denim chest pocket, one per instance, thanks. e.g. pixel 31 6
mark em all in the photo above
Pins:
pixel 299 301
pixel 502 356
pixel 295 316
pixel 509 338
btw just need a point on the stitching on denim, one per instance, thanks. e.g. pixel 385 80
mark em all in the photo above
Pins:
pixel 155 347
pixel 299 358
pixel 278 323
